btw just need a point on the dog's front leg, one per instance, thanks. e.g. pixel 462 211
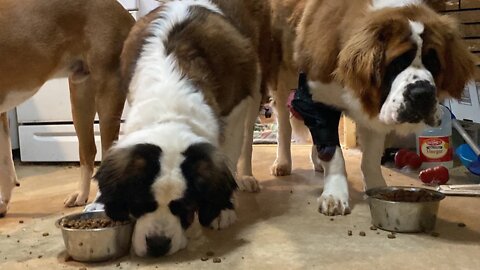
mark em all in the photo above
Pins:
pixel 217 218
pixel 334 198
pixel 372 145
pixel 8 177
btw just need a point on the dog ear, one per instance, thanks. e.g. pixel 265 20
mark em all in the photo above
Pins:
pixel 459 64
pixel 210 181
pixel 361 62
pixel 124 179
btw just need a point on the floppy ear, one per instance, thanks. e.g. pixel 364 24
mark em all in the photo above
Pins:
pixel 362 59
pixel 124 179
pixel 210 181
pixel 459 66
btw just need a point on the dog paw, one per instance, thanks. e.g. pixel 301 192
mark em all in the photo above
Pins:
pixel 226 218
pixel 331 204
pixel 281 168
pixel 95 206
pixel 248 183
pixel 76 199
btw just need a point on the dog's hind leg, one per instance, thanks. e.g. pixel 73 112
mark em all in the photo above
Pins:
pixel 82 96
pixel 110 101
pixel 8 177
pixel 245 176
pixel 283 162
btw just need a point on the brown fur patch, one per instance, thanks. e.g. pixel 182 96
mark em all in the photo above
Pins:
pixel 34 46
pixel 216 58
pixel 363 58
pixel 219 54
pixel 4 119
pixel 457 63
pixel 338 38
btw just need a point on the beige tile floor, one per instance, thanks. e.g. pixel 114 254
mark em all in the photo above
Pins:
pixel 278 228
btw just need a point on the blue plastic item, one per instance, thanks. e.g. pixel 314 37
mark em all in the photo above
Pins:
pixel 469 153
pixel 468 158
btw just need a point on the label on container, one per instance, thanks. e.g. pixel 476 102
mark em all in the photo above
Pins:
pixel 435 149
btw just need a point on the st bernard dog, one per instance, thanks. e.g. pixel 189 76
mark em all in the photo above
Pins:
pixel 385 63
pixel 193 74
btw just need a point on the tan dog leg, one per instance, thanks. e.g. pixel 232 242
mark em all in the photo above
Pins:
pixel 244 165
pixel 8 178
pixel 82 97
pixel 110 102
pixel 283 163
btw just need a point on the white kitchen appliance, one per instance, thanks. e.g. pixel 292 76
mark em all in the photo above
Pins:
pixel 46 132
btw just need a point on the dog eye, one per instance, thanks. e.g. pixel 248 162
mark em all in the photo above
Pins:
pixel 184 211
pixel 431 62
pixel 403 61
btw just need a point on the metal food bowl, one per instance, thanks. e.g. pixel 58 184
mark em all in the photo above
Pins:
pixel 93 245
pixel 391 212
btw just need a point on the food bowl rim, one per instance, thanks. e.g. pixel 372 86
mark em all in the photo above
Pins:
pixel 57 223
pixel 370 192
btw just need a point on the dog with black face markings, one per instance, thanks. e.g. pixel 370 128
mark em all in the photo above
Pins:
pixel 193 74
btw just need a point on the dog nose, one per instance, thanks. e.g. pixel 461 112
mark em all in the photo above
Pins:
pixel 420 103
pixel 420 92
pixel 158 245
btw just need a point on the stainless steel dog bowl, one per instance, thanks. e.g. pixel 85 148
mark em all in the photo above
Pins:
pixel 400 209
pixel 93 245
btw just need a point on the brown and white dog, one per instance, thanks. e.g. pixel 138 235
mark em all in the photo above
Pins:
pixel 385 63
pixel 194 75
pixel 41 40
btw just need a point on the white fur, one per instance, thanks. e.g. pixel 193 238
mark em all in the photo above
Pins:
pixel 157 80
pixel 389 112
pixel 379 4
pixel 334 198
pixel 225 219
pixel 151 224
pixel 168 111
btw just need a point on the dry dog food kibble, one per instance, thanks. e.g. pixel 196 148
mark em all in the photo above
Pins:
pixel 406 196
pixel 45 234
pixel 217 260
pixel 204 259
pixel 349 232
pixel 373 228
pixel 461 225
pixel 362 233
pixel 91 223
pixel 391 236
